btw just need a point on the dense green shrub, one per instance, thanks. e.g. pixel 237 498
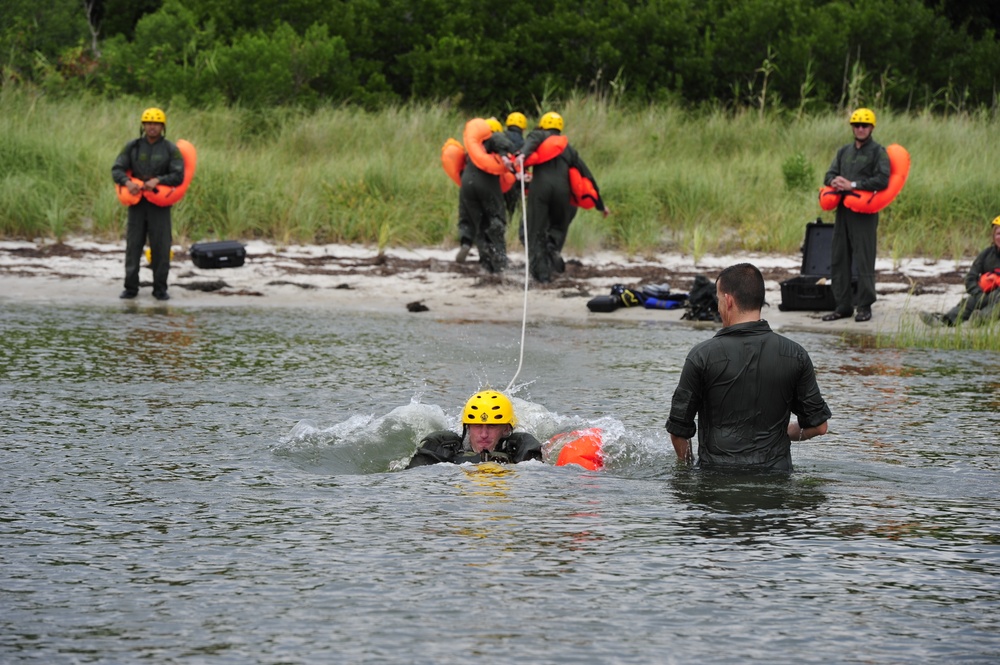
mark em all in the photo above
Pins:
pixel 796 55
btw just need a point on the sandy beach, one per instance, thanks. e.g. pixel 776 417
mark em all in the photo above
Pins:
pixel 428 282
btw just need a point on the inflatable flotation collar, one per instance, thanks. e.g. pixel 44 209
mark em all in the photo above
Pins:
pixel 547 150
pixel 871 202
pixel 453 160
pixel 507 180
pixel 582 192
pixel 582 447
pixel 164 196
pixel 476 132
pixel 126 197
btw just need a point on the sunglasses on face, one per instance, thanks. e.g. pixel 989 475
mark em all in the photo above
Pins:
pixel 860 124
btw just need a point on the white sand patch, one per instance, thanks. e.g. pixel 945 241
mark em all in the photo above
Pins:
pixel 353 277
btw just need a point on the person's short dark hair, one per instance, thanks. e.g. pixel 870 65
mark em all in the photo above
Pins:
pixel 745 284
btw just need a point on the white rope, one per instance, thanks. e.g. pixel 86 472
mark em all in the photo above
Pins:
pixel 524 315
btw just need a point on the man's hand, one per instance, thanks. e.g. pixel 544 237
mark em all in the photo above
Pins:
pixel 151 184
pixel 682 447
pixel 132 188
pixel 841 184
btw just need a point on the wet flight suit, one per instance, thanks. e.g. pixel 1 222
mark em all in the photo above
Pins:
pixel 160 159
pixel 447 446
pixel 549 209
pixel 855 234
pixel 482 217
pixel 743 384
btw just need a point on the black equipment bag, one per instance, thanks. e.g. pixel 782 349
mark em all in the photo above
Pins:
pixel 811 290
pixel 221 254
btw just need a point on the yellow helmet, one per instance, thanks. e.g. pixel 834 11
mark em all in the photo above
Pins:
pixel 154 114
pixel 866 116
pixel 494 124
pixel 996 221
pixel 488 407
pixel 551 120
pixel 517 120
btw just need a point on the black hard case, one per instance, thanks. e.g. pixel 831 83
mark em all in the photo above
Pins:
pixel 221 254
pixel 811 290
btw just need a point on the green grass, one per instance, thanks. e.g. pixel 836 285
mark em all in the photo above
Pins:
pixel 912 332
pixel 695 182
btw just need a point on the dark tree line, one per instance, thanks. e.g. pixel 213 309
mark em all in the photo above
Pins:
pixel 787 54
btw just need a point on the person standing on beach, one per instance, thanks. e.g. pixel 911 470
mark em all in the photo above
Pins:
pixel 982 284
pixel 743 385
pixel 550 210
pixel 862 164
pixel 154 161
pixel 481 214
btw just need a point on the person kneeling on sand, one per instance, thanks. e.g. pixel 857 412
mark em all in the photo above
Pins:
pixel 488 435
pixel 982 283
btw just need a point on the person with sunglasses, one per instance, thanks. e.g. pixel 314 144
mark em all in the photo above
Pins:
pixel 862 164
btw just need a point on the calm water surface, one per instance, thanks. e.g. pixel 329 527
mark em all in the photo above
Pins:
pixel 222 486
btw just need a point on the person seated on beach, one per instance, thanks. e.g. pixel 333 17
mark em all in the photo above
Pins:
pixel 488 435
pixel 982 283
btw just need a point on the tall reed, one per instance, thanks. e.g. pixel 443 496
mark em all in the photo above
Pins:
pixel 695 182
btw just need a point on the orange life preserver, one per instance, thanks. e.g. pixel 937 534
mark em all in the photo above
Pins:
pixel 548 149
pixel 581 447
pixel 453 156
pixel 453 160
pixel 582 192
pixel 168 196
pixel 126 197
pixel 507 180
pixel 476 132
pixel 989 281
pixel 164 196
pixel 871 202
pixel 829 198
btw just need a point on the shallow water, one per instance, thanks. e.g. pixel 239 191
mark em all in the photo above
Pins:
pixel 221 486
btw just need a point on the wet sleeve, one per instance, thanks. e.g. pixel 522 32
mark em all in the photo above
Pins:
pixel 686 401
pixel 527 447
pixel 499 144
pixel 532 141
pixel 809 405
pixel 435 448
